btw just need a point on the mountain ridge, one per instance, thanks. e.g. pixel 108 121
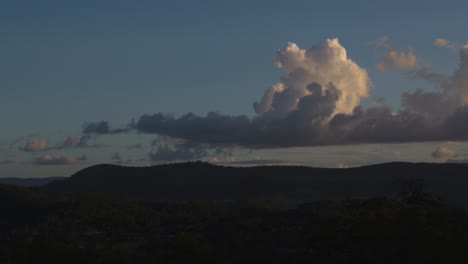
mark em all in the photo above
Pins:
pixel 29 182
pixel 205 181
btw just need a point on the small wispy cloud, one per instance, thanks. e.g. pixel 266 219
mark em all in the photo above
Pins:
pixel 441 42
pixel 380 42
pixel 101 127
pixel 444 152
pixel 398 60
pixel 59 160
pixel 37 145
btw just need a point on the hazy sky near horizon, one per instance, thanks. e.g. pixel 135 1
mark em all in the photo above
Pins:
pixel 68 65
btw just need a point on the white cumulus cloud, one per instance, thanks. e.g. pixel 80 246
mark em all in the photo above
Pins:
pixel 321 64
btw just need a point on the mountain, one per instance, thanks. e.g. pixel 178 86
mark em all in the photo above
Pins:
pixel 204 181
pixel 29 182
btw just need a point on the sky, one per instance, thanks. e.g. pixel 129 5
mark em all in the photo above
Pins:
pixel 316 83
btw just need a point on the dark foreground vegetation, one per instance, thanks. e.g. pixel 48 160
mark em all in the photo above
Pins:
pixel 41 227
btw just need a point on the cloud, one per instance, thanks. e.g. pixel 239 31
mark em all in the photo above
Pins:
pixel 20 139
pixel 397 60
pixel 82 141
pixel 380 42
pixel 74 141
pixel 36 145
pixel 42 144
pixel 441 42
pixel 58 160
pixel 176 149
pixel 320 82
pixel 444 153
pixel 116 158
pixel 321 64
pixel 265 104
pixel 214 128
pixel 430 105
pixel 311 123
pixel 317 102
pixel 178 153
pixel 437 79
pixel 101 127
pixel 449 98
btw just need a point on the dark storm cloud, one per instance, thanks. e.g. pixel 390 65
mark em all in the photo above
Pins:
pixel 437 79
pixel 456 125
pixel 428 104
pixel 302 127
pixel 308 125
pixel 213 128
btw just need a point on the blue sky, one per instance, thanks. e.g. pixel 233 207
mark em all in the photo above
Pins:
pixel 64 63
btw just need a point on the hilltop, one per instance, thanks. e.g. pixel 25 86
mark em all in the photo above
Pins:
pixel 204 181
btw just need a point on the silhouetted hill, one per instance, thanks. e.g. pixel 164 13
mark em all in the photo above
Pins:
pixel 29 181
pixel 204 181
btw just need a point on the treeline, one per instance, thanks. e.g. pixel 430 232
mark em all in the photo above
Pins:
pixel 39 227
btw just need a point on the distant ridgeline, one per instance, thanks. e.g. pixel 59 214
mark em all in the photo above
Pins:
pixel 204 181
pixel 29 181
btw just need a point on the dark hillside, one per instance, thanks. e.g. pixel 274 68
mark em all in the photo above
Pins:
pixel 204 181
